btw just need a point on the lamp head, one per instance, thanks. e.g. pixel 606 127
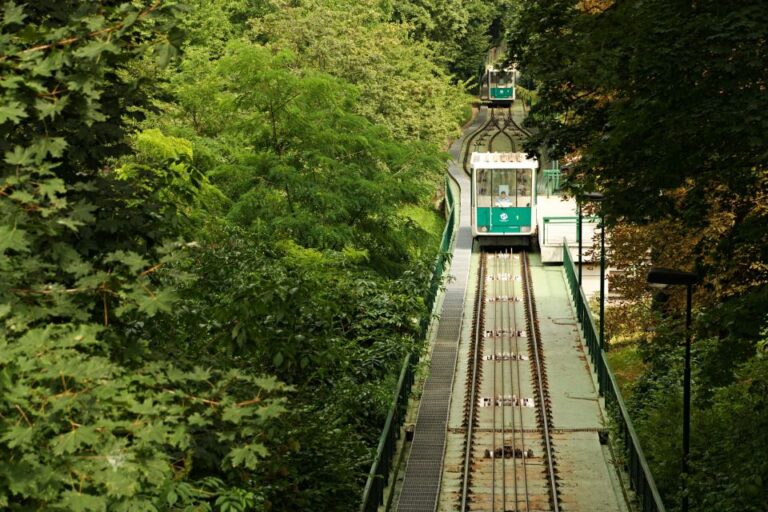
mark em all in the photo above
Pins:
pixel 593 196
pixel 662 277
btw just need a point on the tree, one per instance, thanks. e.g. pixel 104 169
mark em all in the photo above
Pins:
pixel 657 104
pixel 93 416
pixel 305 167
pixel 306 268
pixel 401 87
pixel 461 33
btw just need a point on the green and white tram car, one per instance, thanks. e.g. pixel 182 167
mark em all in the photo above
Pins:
pixel 503 198
pixel 498 86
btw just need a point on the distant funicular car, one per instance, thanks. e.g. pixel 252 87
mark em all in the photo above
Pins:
pixel 498 87
pixel 503 198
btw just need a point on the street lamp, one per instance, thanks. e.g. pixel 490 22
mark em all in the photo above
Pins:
pixel 596 197
pixel 578 206
pixel 663 277
pixel 566 171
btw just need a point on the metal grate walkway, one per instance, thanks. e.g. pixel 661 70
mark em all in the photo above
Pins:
pixel 421 484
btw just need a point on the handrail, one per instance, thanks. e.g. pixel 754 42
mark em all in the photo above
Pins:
pixel 640 477
pixel 442 256
pixel 378 476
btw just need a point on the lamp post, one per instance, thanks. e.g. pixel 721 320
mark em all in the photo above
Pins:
pixel 578 206
pixel 566 171
pixel 597 197
pixel 663 277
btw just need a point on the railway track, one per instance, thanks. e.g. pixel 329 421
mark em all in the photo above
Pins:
pixel 500 124
pixel 509 461
pixel 489 447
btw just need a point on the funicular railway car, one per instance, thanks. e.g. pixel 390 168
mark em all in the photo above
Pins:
pixel 503 198
pixel 498 86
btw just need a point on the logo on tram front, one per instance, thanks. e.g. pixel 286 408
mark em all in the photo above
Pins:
pixel 504 217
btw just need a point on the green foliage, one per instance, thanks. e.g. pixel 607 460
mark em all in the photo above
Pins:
pixel 461 32
pixel 87 433
pixel 727 470
pixel 732 475
pixel 94 416
pixel 298 313
pixel 298 164
pixel 317 321
pixel 626 364
pixel 209 26
pixel 55 203
pixel 400 85
pixel 174 228
pixel 626 89
pixel 310 269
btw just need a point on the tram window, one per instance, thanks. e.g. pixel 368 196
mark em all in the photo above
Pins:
pixel 503 79
pixel 483 188
pixel 482 181
pixel 503 200
pixel 503 188
pixel 523 187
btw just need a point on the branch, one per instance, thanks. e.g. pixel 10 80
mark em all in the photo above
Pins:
pixel 45 292
pixel 23 414
pixel 245 403
pixel 252 401
pixel 152 269
pixel 69 40
pixel 192 397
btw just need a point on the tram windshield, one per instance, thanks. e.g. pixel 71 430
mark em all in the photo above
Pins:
pixel 504 188
pixel 503 79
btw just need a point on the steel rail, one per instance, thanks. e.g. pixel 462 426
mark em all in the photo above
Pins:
pixel 505 331
pixel 498 132
pixel 495 296
pixel 519 128
pixel 540 380
pixel 502 130
pixel 520 405
pixel 507 121
pixel 479 297
pixel 513 350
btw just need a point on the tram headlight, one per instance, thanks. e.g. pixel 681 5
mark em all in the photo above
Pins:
pixel 483 229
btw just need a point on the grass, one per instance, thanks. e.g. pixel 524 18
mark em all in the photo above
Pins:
pixel 466 115
pixel 627 366
pixel 432 222
pixel 427 218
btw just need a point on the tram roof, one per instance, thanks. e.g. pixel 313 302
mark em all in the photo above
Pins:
pixel 502 161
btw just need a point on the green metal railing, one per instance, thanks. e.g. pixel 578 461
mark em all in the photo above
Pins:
pixel 378 476
pixel 640 477
pixel 551 179
pixel 443 256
